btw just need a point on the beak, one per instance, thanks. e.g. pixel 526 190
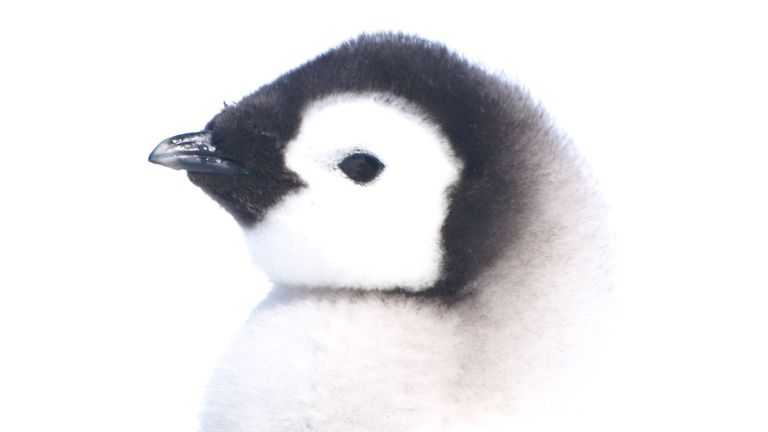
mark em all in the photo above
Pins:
pixel 194 152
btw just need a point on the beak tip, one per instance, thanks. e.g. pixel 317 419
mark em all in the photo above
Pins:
pixel 152 158
pixel 160 154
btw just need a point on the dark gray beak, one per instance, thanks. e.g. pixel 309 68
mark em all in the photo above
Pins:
pixel 194 152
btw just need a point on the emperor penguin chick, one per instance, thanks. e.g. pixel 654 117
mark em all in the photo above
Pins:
pixel 437 249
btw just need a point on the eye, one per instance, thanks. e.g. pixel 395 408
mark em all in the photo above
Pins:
pixel 361 167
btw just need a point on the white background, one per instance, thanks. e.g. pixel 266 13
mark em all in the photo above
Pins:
pixel 120 283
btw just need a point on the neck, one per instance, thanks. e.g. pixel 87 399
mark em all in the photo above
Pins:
pixel 546 298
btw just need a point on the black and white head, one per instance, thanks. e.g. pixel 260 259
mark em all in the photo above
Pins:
pixel 388 163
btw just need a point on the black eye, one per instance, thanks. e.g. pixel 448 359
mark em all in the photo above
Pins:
pixel 361 167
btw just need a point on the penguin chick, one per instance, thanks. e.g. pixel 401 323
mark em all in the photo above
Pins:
pixel 436 247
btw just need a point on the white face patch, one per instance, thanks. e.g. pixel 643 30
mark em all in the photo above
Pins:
pixel 336 233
